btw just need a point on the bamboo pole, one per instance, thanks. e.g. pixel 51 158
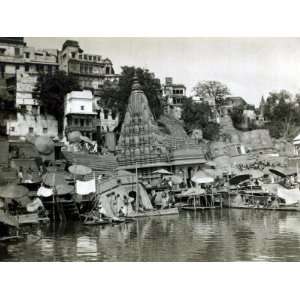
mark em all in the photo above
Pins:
pixel 137 193
pixel 53 199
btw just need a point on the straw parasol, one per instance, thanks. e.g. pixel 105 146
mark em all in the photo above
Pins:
pixel 13 191
pixel 162 172
pixel 80 170
pixel 54 179
pixel 86 139
pixel 63 189
pixel 176 179
pixel 202 177
pixel 74 137
pixel 44 145
pixel 214 172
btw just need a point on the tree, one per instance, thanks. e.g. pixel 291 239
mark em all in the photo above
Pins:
pixel 115 96
pixel 282 115
pixel 213 89
pixel 197 116
pixel 50 91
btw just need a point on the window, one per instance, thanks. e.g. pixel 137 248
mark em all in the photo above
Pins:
pixel 81 123
pixel 90 69
pixel 34 109
pixel 105 114
pixel 12 129
pixel 17 67
pixel 85 56
pixel 94 58
pixel 73 54
pixel 82 107
pixel 90 57
pixel 76 121
pixel 45 130
pixel 27 54
pixel 99 58
pixel 26 68
pixel 30 129
pixel 107 69
pixel 2 51
pixel 17 51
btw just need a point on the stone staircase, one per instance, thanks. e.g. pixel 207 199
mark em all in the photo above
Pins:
pixel 101 164
pixel 4 152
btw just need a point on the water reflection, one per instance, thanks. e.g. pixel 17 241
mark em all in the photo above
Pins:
pixel 215 235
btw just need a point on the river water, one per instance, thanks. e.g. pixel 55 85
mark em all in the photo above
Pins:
pixel 212 235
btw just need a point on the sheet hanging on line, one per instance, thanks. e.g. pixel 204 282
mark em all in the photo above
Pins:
pixel 85 187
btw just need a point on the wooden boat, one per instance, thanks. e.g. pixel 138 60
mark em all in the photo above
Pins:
pixel 94 222
pixel 193 208
pixel 153 213
pixel 256 200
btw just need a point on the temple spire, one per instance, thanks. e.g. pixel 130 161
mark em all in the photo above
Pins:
pixel 135 84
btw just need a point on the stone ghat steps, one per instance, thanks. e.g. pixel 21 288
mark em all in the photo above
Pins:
pixel 9 174
pixel 4 154
pixel 103 163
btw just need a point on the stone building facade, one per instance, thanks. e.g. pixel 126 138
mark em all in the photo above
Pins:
pixel 90 69
pixel 175 95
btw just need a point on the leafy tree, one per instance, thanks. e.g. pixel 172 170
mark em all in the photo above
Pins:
pixel 237 116
pixel 213 89
pixel 115 96
pixel 50 91
pixel 282 115
pixel 197 116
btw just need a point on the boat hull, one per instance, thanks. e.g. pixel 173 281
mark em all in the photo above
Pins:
pixel 153 213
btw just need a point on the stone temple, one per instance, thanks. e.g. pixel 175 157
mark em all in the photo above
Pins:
pixel 143 145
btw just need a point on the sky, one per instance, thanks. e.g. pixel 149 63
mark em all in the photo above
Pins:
pixel 250 67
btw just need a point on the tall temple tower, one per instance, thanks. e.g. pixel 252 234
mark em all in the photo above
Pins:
pixel 139 138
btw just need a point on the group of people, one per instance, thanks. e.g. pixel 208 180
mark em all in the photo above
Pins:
pixel 257 165
pixel 27 176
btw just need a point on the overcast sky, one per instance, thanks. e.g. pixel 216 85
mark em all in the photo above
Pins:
pixel 251 67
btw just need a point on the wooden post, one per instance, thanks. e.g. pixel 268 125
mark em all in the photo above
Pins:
pixel 53 199
pixel 137 187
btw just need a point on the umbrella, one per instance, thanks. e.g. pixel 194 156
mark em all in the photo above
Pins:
pixel 44 145
pixel 238 179
pixel 80 170
pixel 86 139
pixel 13 191
pixel 63 189
pixel 24 201
pixel 54 179
pixel 162 172
pixel 214 172
pixel 74 137
pixel 176 179
pixel 192 191
pixel 202 177
pixel 278 172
